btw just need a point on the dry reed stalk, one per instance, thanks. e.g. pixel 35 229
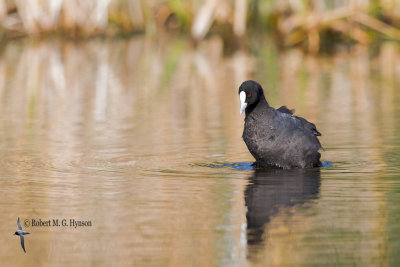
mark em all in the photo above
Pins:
pixel 3 10
pixel 346 19
pixel 135 9
pixel 240 15
pixel 88 15
pixel 377 25
pixel 38 15
pixel 204 19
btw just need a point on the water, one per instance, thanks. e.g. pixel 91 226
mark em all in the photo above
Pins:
pixel 142 138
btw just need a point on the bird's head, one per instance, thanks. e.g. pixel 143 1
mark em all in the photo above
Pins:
pixel 16 233
pixel 250 93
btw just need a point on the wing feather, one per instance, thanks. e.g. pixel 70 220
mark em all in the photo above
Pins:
pixel 22 242
pixel 19 224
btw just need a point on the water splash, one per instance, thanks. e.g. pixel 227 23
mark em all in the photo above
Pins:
pixel 241 166
pixel 327 164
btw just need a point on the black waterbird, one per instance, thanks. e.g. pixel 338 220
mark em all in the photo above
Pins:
pixel 276 137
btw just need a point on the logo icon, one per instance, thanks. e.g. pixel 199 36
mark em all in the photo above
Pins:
pixel 21 234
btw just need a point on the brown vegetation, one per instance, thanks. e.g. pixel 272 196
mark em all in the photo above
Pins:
pixel 294 22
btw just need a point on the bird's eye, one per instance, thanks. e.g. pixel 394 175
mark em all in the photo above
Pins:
pixel 249 95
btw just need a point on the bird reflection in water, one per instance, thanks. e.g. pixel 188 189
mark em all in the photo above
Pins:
pixel 271 189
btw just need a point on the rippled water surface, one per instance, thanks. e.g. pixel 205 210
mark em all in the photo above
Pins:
pixel 143 139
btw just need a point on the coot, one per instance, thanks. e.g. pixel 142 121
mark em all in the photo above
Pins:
pixel 276 137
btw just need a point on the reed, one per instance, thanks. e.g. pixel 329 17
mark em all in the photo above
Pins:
pixel 308 22
pixel 358 21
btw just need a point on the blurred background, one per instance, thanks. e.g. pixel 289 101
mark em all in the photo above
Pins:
pixel 312 24
pixel 126 113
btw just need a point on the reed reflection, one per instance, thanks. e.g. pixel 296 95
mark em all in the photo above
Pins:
pixel 270 190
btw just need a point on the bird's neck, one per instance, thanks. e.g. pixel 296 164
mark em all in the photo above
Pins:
pixel 258 106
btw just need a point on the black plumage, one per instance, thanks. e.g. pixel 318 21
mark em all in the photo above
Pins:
pixel 276 137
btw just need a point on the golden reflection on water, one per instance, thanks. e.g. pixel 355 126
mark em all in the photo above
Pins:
pixel 116 132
